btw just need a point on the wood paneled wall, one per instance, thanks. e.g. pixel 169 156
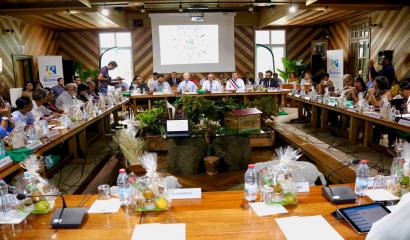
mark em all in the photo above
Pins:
pixel 244 49
pixel 142 51
pixel 298 42
pixel 81 46
pixel 339 39
pixel 393 34
pixel 36 41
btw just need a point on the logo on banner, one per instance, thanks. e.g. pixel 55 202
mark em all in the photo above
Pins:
pixel 335 63
pixel 51 70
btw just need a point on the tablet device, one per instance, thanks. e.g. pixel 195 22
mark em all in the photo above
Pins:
pixel 362 217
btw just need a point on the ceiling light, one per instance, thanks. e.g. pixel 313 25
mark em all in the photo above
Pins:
pixel 142 9
pixel 251 8
pixel 105 12
pixel 180 9
pixel 292 9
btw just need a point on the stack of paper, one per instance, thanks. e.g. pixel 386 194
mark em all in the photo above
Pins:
pixel 159 231
pixel 105 206
pixel 261 209
pixel 312 227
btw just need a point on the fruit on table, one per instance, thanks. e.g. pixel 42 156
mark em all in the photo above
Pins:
pixel 41 206
pixel 289 198
pixel 161 203
pixel 149 194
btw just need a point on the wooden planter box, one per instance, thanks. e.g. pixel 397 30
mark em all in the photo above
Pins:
pixel 262 140
pixel 244 120
pixel 155 143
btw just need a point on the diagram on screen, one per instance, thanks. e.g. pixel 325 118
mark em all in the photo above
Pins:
pixel 188 44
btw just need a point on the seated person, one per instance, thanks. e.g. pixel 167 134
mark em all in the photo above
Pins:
pixel 325 83
pixel 6 123
pixel 221 78
pixel 39 98
pixel 203 79
pixel 359 87
pixel 59 88
pixel 270 82
pixel 82 92
pixel 235 83
pixel 347 84
pixel 173 80
pixel 248 79
pixel 379 92
pixel 93 90
pixel 211 85
pixel 28 90
pixel 77 81
pixel 293 78
pixel 24 107
pixel 186 85
pixel 153 80
pixel 404 94
pixel 307 79
pixel 49 104
pixel 121 84
pixel 68 96
pixel 139 85
pixel 161 85
pixel 394 87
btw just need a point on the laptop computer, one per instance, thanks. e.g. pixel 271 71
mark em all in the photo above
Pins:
pixel 178 128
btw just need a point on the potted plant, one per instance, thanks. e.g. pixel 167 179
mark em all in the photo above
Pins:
pixel 296 66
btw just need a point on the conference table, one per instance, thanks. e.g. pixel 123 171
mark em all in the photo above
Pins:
pixel 320 111
pixel 279 96
pixel 217 215
pixel 75 136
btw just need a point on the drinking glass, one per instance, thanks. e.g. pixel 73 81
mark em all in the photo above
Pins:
pixel 104 192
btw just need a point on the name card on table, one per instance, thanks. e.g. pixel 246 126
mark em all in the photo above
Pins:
pixel 151 231
pixel 297 95
pixel 302 187
pixel 307 98
pixel 185 193
pixel 332 104
pixel 112 205
pixel 4 161
pixel 405 122
pixel 290 94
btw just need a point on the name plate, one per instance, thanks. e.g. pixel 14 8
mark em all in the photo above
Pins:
pixel 4 161
pixel 216 91
pixel 290 94
pixel 297 95
pixel 332 104
pixel 302 187
pixel 404 122
pixel 307 98
pixel 185 193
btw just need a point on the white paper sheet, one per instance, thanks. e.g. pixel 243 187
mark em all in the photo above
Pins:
pixel 302 228
pixel 112 205
pixel 302 187
pixel 13 217
pixel 184 193
pixel 159 231
pixel 381 195
pixel 261 209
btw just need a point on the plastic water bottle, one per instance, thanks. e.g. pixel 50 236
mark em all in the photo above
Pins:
pixel 362 178
pixel 251 183
pixel 2 150
pixel 4 191
pixel 122 183
pixel 49 162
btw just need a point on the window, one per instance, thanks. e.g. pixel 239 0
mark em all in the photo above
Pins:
pixel 121 53
pixel 273 40
pixel 359 48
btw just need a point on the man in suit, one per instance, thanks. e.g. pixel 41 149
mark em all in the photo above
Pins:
pixel 173 80
pixel 270 82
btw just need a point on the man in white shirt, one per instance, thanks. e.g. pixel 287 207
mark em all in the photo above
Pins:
pixel 153 80
pixel 68 96
pixel 186 85
pixel 235 84
pixel 39 98
pixel 161 85
pixel 201 82
pixel 211 85
pixel 259 79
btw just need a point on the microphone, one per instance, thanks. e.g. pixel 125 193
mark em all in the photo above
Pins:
pixel 339 194
pixel 64 217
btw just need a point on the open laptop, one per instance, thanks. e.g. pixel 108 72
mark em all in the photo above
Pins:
pixel 178 128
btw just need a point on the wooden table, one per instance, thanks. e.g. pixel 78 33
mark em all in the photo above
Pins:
pixel 70 136
pixel 218 215
pixel 245 95
pixel 320 111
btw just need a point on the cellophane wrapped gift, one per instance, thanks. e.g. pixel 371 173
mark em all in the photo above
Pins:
pixel 150 190
pixel 32 183
pixel 281 177
pixel 18 136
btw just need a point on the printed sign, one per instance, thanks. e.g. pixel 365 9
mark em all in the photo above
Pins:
pixel 335 67
pixel 50 68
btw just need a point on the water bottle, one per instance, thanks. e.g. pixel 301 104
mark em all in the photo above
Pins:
pixel 362 178
pixel 122 183
pixel 251 183
pixel 49 162
pixel 2 150
pixel 4 190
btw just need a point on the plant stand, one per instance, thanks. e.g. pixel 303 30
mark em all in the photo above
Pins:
pixel 185 155
pixel 234 150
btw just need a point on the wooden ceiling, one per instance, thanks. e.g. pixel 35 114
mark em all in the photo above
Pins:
pixel 86 14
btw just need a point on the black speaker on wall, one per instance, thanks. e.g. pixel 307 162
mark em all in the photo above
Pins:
pixel 68 70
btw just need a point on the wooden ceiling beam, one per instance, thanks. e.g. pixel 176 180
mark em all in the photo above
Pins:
pixel 44 7
pixel 116 17
pixel 270 15
pixel 358 5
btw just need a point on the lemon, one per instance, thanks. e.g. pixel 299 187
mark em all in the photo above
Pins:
pixel 161 203
pixel 41 206
pixel 289 198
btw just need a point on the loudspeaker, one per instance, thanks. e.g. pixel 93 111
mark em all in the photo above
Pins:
pixel 68 70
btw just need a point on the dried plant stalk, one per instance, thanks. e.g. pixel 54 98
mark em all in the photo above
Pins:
pixel 131 147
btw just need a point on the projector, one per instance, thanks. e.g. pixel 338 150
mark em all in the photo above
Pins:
pixel 197 18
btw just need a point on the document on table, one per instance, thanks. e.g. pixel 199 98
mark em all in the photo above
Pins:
pixel 381 195
pixel 184 193
pixel 13 217
pixel 261 209
pixel 159 231
pixel 312 227
pixel 112 205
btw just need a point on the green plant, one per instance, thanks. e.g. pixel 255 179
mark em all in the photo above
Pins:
pixel 265 104
pixel 296 66
pixel 84 73
pixel 152 121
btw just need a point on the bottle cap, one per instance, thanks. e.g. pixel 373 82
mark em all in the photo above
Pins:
pixel 364 161
pixel 122 170
pixel 251 166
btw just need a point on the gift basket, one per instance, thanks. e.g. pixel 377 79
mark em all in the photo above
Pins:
pixel 280 179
